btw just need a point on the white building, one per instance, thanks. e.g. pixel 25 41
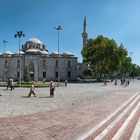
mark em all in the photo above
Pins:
pixel 38 63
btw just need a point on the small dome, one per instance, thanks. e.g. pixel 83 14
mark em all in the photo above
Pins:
pixel 35 40
pixel 44 52
pixel 8 52
pixel 67 53
pixel 19 52
pixel 55 52
pixel 33 51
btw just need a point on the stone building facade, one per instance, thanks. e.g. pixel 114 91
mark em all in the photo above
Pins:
pixel 35 59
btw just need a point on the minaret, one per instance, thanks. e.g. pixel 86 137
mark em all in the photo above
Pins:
pixel 84 34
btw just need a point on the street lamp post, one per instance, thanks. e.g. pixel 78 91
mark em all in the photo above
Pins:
pixel 19 34
pixel 58 28
pixel 4 42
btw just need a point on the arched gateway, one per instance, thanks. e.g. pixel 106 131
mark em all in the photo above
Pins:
pixel 31 71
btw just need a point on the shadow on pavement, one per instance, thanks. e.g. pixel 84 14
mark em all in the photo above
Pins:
pixel 24 97
pixel 45 97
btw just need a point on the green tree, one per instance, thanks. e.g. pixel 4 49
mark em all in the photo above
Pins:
pixel 87 73
pixel 135 71
pixel 105 56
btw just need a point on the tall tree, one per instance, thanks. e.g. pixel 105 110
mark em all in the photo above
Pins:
pixel 104 56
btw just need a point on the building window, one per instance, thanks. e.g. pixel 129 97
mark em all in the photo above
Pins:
pixel 27 46
pixel 6 63
pixel 44 74
pixel 69 64
pixel 31 67
pixel 69 74
pixel 56 74
pixel 56 63
pixel 5 74
pixel 18 64
pixel 44 64
pixel 37 46
pixel 18 74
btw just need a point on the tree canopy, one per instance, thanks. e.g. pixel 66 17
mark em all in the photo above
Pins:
pixel 105 57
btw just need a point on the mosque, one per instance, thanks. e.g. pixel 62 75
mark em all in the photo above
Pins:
pixel 34 59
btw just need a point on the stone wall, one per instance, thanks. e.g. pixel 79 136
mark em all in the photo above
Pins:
pixel 41 63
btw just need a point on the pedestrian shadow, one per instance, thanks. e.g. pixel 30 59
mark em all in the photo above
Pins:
pixel 24 97
pixel 4 89
pixel 45 97
pixel 38 97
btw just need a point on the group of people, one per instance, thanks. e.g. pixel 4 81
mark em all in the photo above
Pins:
pixel 52 89
pixel 10 84
pixel 124 82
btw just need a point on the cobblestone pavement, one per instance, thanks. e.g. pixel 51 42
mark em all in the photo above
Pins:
pixel 71 113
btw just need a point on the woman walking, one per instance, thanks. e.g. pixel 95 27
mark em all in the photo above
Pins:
pixel 32 90
pixel 52 88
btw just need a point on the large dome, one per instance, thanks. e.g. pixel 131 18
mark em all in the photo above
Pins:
pixel 35 40
pixel 67 53
pixel 33 51
pixel 33 43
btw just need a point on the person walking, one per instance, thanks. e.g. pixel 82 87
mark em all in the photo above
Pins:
pixel 66 82
pixel 52 89
pixel 32 90
pixel 105 82
pixel 0 94
pixel 115 81
pixel 8 83
pixel 12 84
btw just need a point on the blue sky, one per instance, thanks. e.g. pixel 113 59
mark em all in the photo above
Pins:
pixel 117 19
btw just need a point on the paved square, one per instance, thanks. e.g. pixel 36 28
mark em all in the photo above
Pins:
pixel 74 110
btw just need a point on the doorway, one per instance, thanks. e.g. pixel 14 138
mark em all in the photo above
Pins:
pixel 31 71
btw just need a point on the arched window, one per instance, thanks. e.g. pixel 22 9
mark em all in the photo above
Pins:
pixel 44 74
pixel 31 71
pixel 27 46
pixel 56 74
pixel 56 63
pixel 31 67
pixel 44 64
pixel 6 63
pixel 18 74
pixel 18 63
pixel 69 74
pixel 69 64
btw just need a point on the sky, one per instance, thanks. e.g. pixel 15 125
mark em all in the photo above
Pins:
pixel 115 19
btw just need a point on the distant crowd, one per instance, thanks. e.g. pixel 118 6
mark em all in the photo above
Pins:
pixel 10 85
pixel 123 82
